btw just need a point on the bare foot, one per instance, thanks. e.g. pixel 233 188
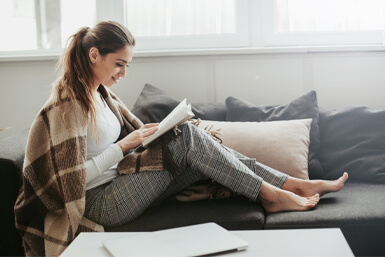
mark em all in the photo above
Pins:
pixel 310 187
pixel 324 186
pixel 277 200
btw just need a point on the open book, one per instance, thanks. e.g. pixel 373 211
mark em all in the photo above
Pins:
pixel 180 114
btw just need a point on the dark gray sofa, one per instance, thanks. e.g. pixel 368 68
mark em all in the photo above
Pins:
pixel 349 139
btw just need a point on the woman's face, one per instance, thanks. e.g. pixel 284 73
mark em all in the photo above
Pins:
pixel 110 68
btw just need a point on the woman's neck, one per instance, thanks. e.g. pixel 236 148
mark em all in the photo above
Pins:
pixel 94 88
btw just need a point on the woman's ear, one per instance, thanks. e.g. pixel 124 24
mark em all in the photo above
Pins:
pixel 93 54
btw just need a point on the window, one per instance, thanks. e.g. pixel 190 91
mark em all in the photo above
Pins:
pixel 73 18
pixel 329 15
pixel 317 22
pixel 157 24
pixel 172 24
pixel 21 16
pixel 42 24
pixel 195 24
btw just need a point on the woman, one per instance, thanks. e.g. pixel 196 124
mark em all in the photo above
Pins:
pixel 71 172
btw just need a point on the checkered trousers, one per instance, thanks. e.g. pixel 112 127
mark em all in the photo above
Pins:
pixel 198 157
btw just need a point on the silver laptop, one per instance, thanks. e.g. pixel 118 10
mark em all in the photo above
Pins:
pixel 196 240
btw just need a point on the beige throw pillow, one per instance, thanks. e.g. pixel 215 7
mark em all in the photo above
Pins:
pixel 282 145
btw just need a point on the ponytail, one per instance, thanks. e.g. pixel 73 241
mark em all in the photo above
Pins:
pixel 76 77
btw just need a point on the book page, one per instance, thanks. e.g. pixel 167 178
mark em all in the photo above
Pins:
pixel 180 114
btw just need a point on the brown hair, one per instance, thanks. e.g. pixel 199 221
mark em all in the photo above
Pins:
pixel 76 76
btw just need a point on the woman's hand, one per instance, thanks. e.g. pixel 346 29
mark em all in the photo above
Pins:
pixel 136 137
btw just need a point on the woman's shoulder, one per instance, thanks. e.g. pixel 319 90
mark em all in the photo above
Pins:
pixel 61 109
pixel 58 99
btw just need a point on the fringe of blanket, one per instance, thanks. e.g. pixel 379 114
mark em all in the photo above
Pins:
pixel 218 192
pixel 209 130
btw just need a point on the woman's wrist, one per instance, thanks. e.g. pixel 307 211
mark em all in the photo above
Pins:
pixel 125 145
pixel 122 146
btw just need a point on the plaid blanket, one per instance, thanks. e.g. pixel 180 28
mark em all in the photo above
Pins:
pixel 50 206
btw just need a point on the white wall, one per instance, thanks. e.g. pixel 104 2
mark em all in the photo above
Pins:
pixel 340 78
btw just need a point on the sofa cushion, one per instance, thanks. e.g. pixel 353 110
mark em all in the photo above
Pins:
pixel 236 213
pixel 357 209
pixel 304 107
pixel 353 140
pixel 281 145
pixel 154 104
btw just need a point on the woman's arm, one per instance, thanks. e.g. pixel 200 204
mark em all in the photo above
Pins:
pixel 112 155
pixel 102 162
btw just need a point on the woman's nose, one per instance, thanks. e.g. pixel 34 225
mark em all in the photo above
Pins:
pixel 122 72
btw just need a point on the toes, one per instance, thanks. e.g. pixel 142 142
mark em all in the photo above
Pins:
pixel 313 200
pixel 344 177
pixel 316 196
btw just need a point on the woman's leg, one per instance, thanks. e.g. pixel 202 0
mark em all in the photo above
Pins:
pixel 268 174
pixel 298 186
pixel 199 152
pixel 276 200
pixel 128 196
pixel 194 149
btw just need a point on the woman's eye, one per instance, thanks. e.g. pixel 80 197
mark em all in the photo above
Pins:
pixel 121 65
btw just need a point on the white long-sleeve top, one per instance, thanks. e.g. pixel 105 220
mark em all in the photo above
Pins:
pixel 103 154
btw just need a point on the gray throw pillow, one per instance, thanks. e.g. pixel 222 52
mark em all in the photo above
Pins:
pixel 353 140
pixel 304 107
pixel 154 104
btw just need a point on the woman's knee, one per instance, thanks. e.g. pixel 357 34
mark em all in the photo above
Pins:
pixel 188 126
pixel 191 131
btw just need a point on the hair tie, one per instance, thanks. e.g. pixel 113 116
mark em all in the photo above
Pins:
pixel 85 30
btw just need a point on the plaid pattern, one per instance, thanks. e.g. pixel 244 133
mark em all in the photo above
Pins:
pixel 50 206
pixel 269 175
pixel 198 157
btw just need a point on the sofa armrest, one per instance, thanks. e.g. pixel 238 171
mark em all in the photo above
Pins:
pixel 12 150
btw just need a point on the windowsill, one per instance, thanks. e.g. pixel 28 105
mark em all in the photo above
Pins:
pixel 262 50
pixel 46 55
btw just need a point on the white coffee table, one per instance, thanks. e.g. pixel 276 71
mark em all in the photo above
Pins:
pixel 293 242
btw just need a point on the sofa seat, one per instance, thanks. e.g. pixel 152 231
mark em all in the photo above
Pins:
pixel 236 213
pixel 358 209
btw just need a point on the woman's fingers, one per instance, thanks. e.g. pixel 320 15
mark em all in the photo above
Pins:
pixel 137 137
pixel 150 131
pixel 150 125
